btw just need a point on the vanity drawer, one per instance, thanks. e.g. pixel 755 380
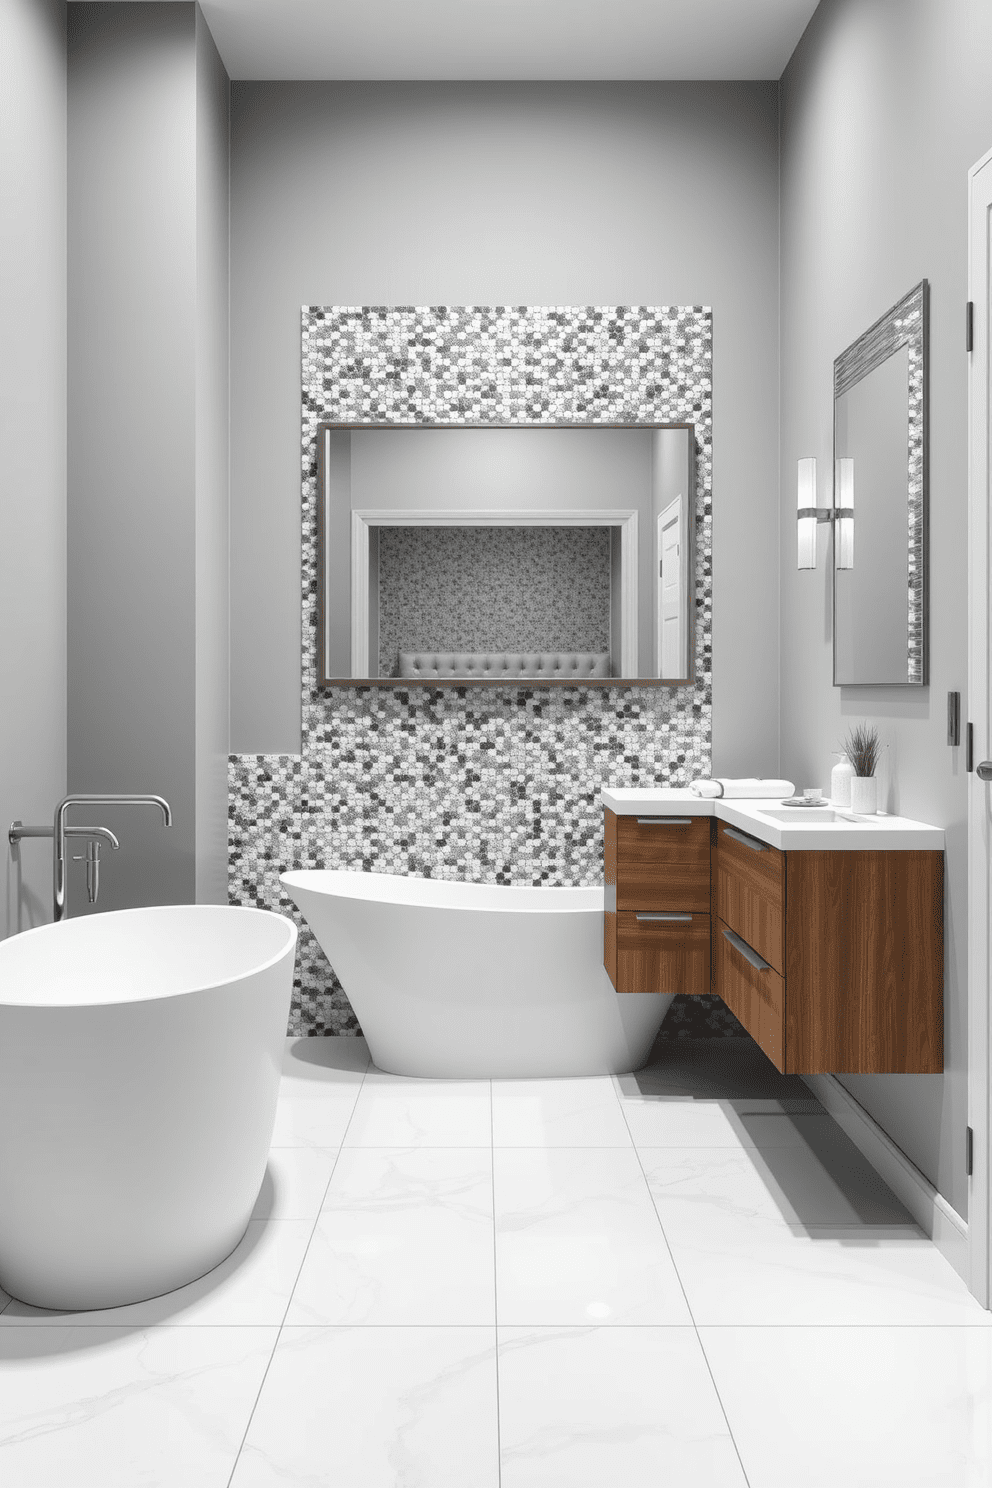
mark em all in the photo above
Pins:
pixel 749 891
pixel 663 862
pixel 655 954
pixel 755 996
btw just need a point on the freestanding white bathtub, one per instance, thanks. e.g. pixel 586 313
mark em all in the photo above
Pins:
pixel 140 1058
pixel 454 980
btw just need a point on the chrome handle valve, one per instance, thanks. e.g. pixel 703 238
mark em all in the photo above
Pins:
pixel 984 771
pixel 92 861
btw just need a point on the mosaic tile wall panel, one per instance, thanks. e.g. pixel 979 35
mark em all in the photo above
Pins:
pixel 502 784
pixel 492 589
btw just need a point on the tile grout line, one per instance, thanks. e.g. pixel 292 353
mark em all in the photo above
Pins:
pixel 289 1298
pixel 492 1175
pixel 695 1326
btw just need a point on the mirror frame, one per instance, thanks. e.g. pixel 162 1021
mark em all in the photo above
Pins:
pixel 405 683
pixel 907 324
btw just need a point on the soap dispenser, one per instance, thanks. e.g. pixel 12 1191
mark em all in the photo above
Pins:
pixel 840 781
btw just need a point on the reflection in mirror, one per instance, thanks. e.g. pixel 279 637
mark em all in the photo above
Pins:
pixel 491 554
pixel 880 469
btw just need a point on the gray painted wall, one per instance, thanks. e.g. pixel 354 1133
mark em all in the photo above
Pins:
pixel 503 194
pixel 884 108
pixel 147 447
pixel 213 680
pixel 32 442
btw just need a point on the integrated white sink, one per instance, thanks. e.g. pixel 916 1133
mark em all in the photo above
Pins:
pixel 808 814
pixel 788 828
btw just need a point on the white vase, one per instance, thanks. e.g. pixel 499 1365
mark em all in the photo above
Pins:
pixel 840 781
pixel 864 794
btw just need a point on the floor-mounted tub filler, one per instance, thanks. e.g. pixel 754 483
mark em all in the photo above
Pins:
pixel 459 980
pixel 140 1059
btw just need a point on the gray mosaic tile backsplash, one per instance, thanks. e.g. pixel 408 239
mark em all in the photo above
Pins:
pixel 498 784
pixel 492 589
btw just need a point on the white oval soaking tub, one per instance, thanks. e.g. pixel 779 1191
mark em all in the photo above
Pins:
pixel 140 1058
pixel 465 980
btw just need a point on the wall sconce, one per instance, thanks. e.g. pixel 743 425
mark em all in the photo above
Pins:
pixel 809 515
pixel 844 513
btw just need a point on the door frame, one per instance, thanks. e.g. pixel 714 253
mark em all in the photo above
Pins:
pixel 685 618
pixel 979 700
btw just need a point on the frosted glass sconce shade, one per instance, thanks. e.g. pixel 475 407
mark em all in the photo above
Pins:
pixel 806 503
pixel 844 520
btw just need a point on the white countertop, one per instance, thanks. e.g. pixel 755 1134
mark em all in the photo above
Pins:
pixel 803 833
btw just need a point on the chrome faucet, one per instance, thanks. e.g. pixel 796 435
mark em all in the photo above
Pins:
pixel 58 832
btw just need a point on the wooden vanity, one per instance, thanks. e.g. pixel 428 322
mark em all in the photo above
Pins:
pixel 832 956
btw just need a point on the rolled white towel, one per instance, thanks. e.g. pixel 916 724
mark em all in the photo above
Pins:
pixel 709 789
pixel 767 790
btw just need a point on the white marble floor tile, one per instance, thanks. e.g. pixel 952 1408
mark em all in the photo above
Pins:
pixel 578 1240
pixel 711 1123
pixel 763 1272
pixel 558 1113
pixel 799 1185
pixel 251 1288
pixel 376 1408
pixel 314 1121
pixel 392 1111
pixel 295 1182
pixel 859 1407
pixel 112 1408
pixel 406 1236
pixel 590 1407
pixel 313 1065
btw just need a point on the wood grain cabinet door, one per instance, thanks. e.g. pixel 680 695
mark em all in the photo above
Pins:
pixel 663 863
pixel 754 993
pixel 866 962
pixel 660 951
pixel 749 884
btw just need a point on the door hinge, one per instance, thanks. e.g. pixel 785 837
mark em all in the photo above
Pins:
pixel 969 753
pixel 969 1151
pixel 954 718
pixel 969 326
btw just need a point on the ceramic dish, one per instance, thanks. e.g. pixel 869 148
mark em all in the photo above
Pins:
pixel 801 801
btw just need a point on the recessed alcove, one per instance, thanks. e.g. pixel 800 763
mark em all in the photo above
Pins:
pixel 482 588
pixel 553 552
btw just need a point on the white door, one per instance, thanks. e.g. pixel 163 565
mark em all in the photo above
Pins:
pixel 671 621
pixel 979 791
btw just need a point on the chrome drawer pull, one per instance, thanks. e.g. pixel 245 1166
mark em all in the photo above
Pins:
pixel 751 842
pixel 664 821
pixel 746 951
pixel 671 919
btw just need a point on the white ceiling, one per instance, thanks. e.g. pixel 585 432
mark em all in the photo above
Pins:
pixel 513 39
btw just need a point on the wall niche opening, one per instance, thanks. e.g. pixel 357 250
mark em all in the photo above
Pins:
pixel 554 553
pixel 485 589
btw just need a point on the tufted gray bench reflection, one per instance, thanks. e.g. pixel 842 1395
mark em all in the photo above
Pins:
pixel 495 666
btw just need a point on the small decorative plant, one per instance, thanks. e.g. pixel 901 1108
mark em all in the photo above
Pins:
pixel 862 746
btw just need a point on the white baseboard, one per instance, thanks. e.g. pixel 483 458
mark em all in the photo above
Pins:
pixel 932 1212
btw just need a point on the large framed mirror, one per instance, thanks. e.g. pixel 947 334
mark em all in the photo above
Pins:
pixel 459 554
pixel 881 501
